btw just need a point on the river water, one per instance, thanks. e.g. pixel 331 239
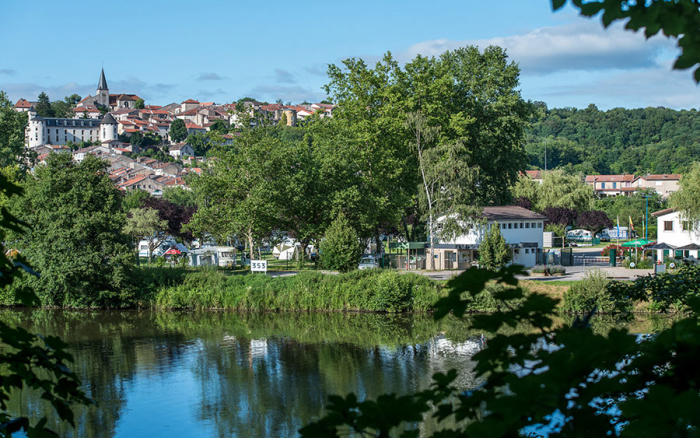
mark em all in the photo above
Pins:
pixel 236 374
pixel 222 374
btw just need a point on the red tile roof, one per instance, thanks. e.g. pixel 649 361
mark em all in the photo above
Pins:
pixel 609 178
pixel 191 101
pixel 665 176
pixel 23 103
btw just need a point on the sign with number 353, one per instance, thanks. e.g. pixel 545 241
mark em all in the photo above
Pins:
pixel 258 266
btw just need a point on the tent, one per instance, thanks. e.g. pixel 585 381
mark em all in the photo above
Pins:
pixel 172 251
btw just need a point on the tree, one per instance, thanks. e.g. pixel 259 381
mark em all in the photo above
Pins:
pixel 12 125
pixel 494 252
pixel 139 104
pixel 174 214
pixel 678 19
pixel 178 130
pixel 146 224
pixel 136 139
pixel 340 248
pixel 594 221
pixel 30 361
pixel 239 194
pixel 467 96
pixel 133 199
pixel 76 239
pixel 43 106
pixel 687 199
pixel 219 126
pixel 557 190
pixel 180 196
pixel 283 119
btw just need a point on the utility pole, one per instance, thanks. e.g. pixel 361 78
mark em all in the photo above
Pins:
pixel 646 218
pixel 545 154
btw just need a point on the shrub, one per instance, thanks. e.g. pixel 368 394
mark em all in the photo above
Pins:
pixel 340 248
pixel 590 292
pixel 551 269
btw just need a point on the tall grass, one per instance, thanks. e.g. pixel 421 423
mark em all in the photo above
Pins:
pixel 377 291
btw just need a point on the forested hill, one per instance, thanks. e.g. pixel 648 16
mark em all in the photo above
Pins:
pixel 638 141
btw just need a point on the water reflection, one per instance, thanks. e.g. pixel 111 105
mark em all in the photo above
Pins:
pixel 237 374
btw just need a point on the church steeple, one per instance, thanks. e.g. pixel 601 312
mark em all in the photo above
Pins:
pixel 102 85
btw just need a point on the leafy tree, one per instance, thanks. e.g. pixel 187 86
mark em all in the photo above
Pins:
pixel 178 130
pixel 556 190
pixel 12 125
pixel 180 196
pixel 283 120
pixel 139 104
pixel 30 361
pixel 136 139
pixel 146 224
pixel 200 142
pixel 494 252
pixel 219 126
pixel 62 109
pixel 687 199
pixel 43 106
pixel 174 214
pixel 239 195
pixel 340 248
pixel 133 199
pixel 560 215
pixel 594 221
pixel 633 206
pixel 76 238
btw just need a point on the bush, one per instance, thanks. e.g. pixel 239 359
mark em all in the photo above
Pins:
pixel 590 292
pixel 551 269
pixel 340 248
pixel 368 290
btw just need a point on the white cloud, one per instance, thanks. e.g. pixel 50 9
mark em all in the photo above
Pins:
pixel 284 77
pixel 286 93
pixel 583 45
pixel 210 77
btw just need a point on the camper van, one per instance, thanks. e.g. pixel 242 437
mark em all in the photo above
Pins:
pixel 222 256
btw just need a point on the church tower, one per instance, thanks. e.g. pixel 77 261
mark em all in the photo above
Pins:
pixel 102 95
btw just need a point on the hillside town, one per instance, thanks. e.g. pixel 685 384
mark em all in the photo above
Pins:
pixel 104 124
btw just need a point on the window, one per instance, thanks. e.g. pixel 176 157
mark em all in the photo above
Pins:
pixel 668 225
pixel 510 226
pixel 527 224
pixel 527 251
pixel 521 225
pixel 614 185
pixel 539 225
pixel 503 226
pixel 686 225
pixel 602 185
pixel 533 225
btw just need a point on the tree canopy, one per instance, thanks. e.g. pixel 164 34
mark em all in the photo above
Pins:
pixel 178 130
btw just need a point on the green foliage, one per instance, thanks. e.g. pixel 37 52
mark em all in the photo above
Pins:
pixel 30 362
pixel 558 189
pixel 178 130
pixel 494 252
pixel 145 223
pixel 687 199
pixel 550 269
pixel 340 248
pixel 631 141
pixel 634 206
pixel 590 294
pixel 369 290
pixel 43 106
pixel 133 199
pixel 180 196
pixel 139 104
pixel 558 380
pixel 12 125
pixel 76 238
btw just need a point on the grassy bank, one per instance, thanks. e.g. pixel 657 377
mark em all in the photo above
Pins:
pixel 375 291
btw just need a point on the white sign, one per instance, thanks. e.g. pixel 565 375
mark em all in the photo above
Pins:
pixel 258 266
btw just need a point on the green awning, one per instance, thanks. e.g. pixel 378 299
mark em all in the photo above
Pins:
pixel 406 245
pixel 637 243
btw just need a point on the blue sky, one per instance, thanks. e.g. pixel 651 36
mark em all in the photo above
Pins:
pixel 169 51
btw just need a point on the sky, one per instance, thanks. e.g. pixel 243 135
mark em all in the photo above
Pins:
pixel 221 51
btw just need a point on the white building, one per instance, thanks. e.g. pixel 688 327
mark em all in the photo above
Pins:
pixel 180 150
pixel 521 228
pixel 677 233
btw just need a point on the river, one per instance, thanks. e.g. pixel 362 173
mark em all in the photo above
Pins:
pixel 209 374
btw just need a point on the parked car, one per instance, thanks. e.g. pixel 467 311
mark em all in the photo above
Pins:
pixel 368 262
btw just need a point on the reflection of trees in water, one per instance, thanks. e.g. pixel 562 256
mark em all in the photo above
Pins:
pixel 259 374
